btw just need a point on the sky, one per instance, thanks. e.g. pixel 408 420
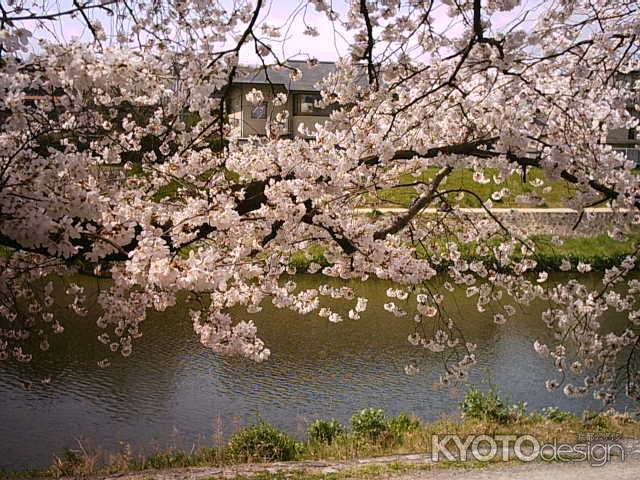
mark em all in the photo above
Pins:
pixel 330 45
pixel 291 15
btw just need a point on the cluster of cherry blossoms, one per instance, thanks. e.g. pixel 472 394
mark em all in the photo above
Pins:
pixel 193 208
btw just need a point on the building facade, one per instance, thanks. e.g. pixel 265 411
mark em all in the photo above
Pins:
pixel 302 95
pixel 626 140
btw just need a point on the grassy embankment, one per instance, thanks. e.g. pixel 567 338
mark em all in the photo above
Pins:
pixel 370 433
pixel 552 193
pixel 600 251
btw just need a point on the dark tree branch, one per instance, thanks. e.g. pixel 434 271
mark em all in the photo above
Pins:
pixel 368 52
pixel 53 16
pixel 421 202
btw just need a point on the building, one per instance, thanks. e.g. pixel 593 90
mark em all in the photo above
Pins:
pixel 302 95
pixel 626 140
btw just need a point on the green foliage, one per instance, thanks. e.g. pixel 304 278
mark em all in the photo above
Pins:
pixel 323 431
pixel 478 405
pixel 401 424
pixel 560 191
pixel 490 407
pixel 170 190
pixel 69 463
pixel 177 459
pixel 169 459
pixel 301 260
pixel 262 441
pixel 369 423
pixel 557 415
pixel 215 144
pixel 600 251
pixel 599 421
pixel 518 411
pixel 173 189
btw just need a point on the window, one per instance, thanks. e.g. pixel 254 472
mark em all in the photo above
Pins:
pixel 632 134
pixel 259 111
pixel 305 104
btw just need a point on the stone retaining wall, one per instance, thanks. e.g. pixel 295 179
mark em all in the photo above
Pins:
pixel 561 223
pixel 532 221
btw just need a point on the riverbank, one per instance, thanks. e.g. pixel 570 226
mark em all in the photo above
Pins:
pixel 599 251
pixel 366 468
pixel 399 467
pixel 371 445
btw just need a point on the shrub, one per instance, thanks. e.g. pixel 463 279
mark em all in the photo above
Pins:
pixel 556 415
pixel 69 463
pixel 75 463
pixel 168 459
pixel 302 259
pixel 369 423
pixel 323 431
pixel 262 441
pixel 518 411
pixel 478 405
pixel 401 424
pixel 600 421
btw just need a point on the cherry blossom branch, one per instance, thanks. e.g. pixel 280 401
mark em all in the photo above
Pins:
pixel 419 203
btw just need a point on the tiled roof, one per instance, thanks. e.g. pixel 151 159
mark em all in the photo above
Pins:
pixel 311 75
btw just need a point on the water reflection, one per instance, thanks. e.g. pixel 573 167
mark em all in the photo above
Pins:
pixel 173 390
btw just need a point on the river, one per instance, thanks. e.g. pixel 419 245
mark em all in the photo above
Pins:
pixel 172 391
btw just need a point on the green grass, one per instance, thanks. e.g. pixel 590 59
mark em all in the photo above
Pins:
pixel 600 251
pixel 301 260
pixel 171 189
pixel 586 247
pixel 559 192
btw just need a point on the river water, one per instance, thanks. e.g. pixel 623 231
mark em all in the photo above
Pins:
pixel 174 392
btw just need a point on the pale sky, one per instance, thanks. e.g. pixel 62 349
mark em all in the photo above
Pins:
pixel 292 17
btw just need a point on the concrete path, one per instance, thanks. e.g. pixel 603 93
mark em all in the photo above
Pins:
pixel 412 467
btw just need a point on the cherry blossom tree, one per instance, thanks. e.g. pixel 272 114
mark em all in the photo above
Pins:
pixel 448 84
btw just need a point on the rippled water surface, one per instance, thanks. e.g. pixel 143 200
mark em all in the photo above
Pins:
pixel 173 391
